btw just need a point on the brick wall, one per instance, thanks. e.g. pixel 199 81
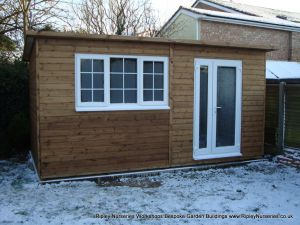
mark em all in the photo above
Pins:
pixel 290 157
pixel 223 32
pixel 295 46
pixel 204 6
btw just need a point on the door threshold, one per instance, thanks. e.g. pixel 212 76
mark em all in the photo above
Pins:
pixel 217 156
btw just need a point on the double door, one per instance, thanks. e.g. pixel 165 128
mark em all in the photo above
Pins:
pixel 217 108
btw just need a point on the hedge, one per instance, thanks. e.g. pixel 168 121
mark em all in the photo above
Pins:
pixel 14 106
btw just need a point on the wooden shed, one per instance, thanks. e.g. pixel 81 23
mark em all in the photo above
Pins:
pixel 105 104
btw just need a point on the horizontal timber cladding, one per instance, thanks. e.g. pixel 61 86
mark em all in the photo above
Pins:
pixel 86 143
pixel 182 95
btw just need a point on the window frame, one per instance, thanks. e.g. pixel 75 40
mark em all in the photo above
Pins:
pixel 78 88
pixel 121 105
pixel 165 79
pixel 106 105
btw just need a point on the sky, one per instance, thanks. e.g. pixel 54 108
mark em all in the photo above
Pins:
pixel 166 8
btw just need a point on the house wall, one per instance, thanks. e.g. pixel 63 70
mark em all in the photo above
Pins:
pixel 207 7
pixel 279 38
pixel 295 47
pixel 85 143
pixel 225 32
pixel 183 27
pixel 286 43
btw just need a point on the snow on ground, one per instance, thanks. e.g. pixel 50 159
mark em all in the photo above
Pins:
pixel 260 188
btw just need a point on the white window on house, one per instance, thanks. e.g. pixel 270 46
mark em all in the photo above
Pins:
pixel 113 82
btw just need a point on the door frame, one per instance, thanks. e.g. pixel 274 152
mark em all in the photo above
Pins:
pixel 211 151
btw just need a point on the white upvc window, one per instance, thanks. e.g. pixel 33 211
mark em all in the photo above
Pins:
pixel 120 82
pixel 154 80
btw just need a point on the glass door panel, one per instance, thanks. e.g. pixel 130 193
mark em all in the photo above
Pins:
pixel 203 98
pixel 226 106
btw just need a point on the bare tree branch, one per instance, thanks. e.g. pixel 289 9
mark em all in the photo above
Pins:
pixel 18 16
pixel 121 17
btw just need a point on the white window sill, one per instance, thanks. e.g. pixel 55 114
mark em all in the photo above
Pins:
pixel 217 156
pixel 120 108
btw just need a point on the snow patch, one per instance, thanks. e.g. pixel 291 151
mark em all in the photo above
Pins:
pixel 260 187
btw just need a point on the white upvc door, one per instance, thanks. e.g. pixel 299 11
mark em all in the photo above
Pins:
pixel 217 108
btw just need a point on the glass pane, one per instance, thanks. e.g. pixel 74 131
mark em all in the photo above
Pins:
pixel 86 80
pixel 86 65
pixel 116 65
pixel 159 81
pixel 98 96
pixel 116 81
pixel 130 96
pixel 158 67
pixel 158 95
pixel 148 81
pixel 203 107
pixel 98 65
pixel 116 96
pixel 148 95
pixel 148 67
pixel 130 81
pixel 98 80
pixel 130 66
pixel 226 91
pixel 86 96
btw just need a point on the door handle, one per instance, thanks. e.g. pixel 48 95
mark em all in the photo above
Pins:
pixel 219 107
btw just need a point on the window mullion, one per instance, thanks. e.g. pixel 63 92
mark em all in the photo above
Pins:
pixel 107 80
pixel 92 80
pixel 123 80
pixel 139 79
pixel 153 82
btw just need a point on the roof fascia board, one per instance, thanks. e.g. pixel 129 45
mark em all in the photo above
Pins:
pixel 35 35
pixel 189 13
pixel 248 23
pixel 218 7
pixel 195 4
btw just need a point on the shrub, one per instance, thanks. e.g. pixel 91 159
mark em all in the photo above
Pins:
pixel 14 106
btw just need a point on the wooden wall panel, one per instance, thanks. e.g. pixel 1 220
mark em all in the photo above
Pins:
pixel 292 119
pixel 84 143
pixel 182 94
pixel 33 107
pixel 271 121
